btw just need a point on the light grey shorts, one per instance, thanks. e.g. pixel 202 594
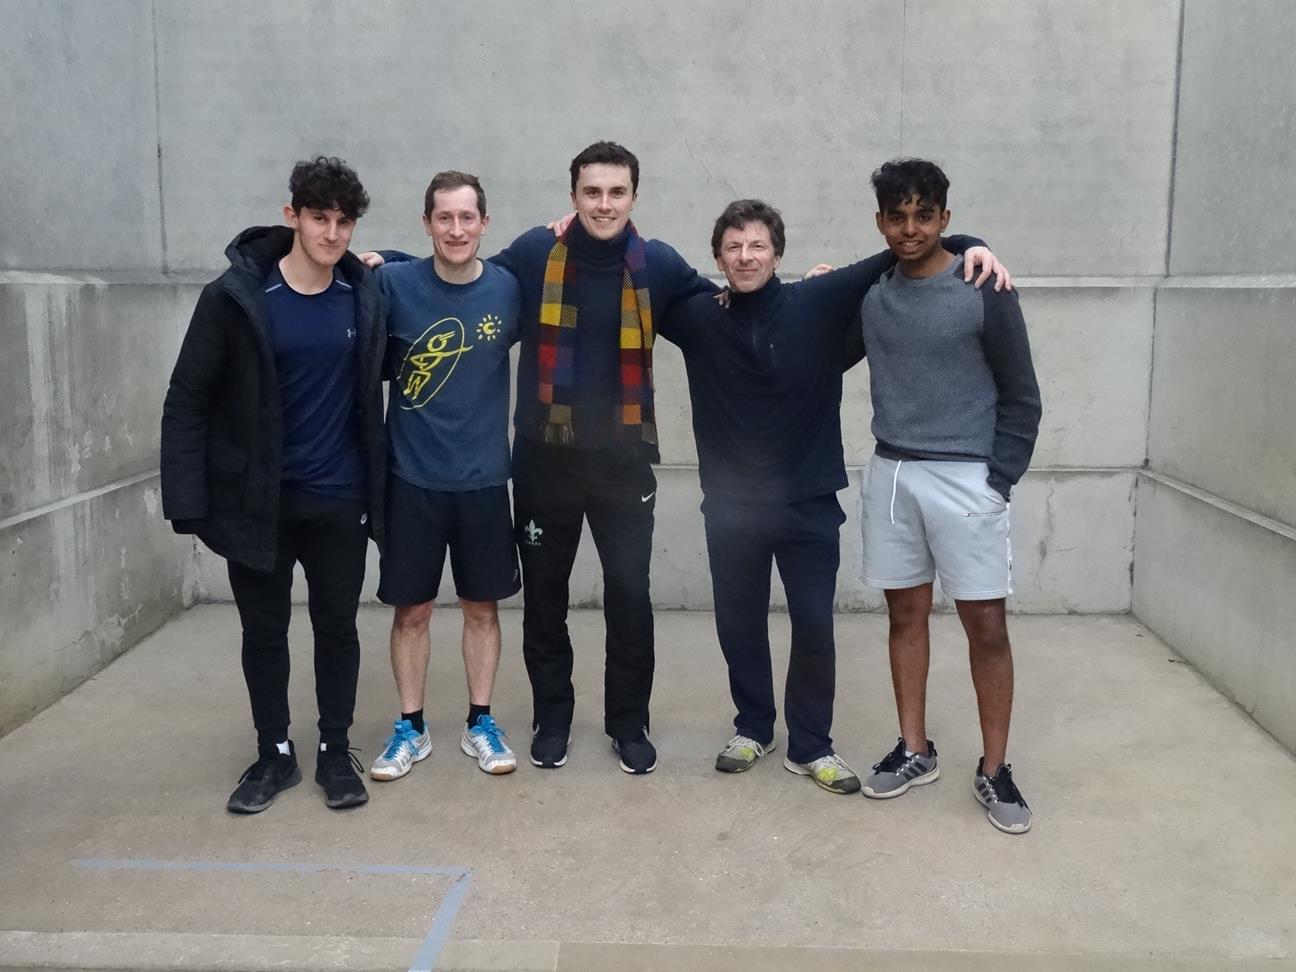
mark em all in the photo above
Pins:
pixel 923 518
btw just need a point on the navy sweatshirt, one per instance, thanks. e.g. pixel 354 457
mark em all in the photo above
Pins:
pixel 765 380
pixel 596 291
pixel 951 373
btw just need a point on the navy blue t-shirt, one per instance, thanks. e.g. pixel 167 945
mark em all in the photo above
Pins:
pixel 314 340
pixel 448 360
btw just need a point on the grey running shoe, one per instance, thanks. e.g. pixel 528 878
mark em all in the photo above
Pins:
pixel 899 771
pixel 829 772
pixel 1005 807
pixel 740 754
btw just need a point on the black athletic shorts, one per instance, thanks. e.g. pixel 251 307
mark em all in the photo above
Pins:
pixel 477 527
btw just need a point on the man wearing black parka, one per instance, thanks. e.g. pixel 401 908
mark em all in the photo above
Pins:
pixel 273 453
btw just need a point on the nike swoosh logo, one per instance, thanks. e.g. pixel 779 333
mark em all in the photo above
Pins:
pixel 645 499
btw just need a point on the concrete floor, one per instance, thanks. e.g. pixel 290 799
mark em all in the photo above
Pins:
pixel 1164 838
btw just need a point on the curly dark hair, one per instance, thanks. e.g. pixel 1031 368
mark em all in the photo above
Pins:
pixel 739 213
pixel 606 153
pixel 900 180
pixel 326 182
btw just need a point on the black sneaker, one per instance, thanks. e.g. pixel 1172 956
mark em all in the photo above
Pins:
pixel 638 755
pixel 338 772
pixel 549 749
pixel 262 781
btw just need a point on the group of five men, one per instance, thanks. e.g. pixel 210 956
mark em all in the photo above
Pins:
pixel 274 452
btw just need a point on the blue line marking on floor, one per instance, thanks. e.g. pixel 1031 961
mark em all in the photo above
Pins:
pixel 429 952
pixel 426 959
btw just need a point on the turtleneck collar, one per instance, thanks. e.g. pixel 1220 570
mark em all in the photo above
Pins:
pixel 593 251
pixel 757 300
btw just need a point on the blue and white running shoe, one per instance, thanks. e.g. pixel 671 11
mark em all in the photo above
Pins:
pixel 485 743
pixel 405 748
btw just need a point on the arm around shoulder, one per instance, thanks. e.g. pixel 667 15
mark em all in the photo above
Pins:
pixel 1018 408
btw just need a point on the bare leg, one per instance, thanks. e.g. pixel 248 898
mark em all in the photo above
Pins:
pixel 910 646
pixel 481 648
pixel 410 648
pixel 990 655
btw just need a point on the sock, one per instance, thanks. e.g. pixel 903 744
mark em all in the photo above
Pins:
pixel 415 720
pixel 474 711
pixel 284 748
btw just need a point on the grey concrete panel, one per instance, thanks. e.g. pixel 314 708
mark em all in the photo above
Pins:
pixel 82 584
pixel 86 377
pixel 1236 152
pixel 714 100
pixel 79 154
pixel 1223 400
pixel 1217 587
pixel 1054 122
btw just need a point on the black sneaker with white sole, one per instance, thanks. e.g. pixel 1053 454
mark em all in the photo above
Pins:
pixel 549 747
pixel 261 782
pixel 338 772
pixel 638 754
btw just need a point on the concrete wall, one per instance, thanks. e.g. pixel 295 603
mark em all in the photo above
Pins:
pixel 87 568
pixel 1215 539
pixel 1056 122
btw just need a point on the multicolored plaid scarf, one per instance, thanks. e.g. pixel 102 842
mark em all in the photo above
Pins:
pixel 558 341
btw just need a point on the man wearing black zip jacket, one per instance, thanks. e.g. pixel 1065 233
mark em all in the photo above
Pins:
pixel 765 381
pixel 273 453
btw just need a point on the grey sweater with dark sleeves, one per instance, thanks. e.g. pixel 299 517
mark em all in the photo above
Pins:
pixel 950 373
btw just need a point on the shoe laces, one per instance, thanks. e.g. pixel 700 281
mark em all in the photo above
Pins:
pixel 893 761
pixel 833 760
pixel 744 742
pixel 1003 787
pixel 401 738
pixel 334 762
pixel 488 729
pixel 260 769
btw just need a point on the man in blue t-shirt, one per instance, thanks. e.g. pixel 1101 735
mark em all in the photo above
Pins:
pixel 451 322
pixel 273 455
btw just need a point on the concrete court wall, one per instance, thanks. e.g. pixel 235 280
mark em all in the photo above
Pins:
pixel 177 123
pixel 1216 532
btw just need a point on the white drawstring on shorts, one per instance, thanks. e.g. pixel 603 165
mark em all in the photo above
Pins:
pixel 894 480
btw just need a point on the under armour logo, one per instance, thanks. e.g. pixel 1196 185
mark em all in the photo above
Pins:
pixel 350 332
pixel 532 533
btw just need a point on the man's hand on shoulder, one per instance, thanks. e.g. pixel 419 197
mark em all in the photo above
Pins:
pixel 819 269
pixel 371 259
pixel 989 263
pixel 559 226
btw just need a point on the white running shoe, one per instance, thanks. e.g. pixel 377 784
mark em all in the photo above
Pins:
pixel 485 743
pixel 405 748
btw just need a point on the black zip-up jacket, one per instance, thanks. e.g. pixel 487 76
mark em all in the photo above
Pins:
pixel 222 427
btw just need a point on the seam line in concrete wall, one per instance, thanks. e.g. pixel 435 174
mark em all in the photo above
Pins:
pixel 157 120
pixel 77 498
pixel 1223 505
pixel 1174 136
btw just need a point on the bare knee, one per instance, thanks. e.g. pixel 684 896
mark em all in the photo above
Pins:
pixel 412 618
pixel 479 615
pixel 986 625
pixel 909 608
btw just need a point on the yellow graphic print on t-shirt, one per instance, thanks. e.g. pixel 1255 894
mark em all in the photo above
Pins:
pixel 430 362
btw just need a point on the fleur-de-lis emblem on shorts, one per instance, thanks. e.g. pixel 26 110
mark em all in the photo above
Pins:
pixel 488 328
